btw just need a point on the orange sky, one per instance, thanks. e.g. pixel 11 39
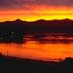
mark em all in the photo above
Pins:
pixel 35 12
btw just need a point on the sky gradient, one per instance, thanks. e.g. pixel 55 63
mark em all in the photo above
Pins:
pixel 31 10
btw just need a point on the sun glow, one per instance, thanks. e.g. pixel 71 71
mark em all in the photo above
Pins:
pixel 36 12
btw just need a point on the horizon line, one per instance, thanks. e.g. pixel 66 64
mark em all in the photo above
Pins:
pixel 18 19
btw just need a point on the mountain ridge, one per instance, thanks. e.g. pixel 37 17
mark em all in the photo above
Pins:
pixel 19 20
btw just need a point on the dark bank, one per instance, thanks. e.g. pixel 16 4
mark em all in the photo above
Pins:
pixel 12 64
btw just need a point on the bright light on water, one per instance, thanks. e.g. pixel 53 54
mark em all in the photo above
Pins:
pixel 35 50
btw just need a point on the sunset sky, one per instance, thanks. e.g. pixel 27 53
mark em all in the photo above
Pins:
pixel 31 10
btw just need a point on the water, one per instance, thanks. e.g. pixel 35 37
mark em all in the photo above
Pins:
pixel 50 47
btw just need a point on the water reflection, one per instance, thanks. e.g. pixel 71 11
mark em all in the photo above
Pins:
pixel 49 38
pixel 43 47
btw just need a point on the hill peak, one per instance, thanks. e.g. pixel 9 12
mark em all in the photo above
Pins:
pixel 18 20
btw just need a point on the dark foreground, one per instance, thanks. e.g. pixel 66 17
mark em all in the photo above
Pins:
pixel 15 65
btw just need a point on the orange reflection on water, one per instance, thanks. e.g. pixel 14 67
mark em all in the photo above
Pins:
pixel 34 50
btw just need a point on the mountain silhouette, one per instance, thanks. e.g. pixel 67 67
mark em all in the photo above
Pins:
pixel 21 28
pixel 18 20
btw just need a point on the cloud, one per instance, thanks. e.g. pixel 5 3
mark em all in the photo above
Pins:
pixel 10 3
pixel 56 2
pixel 4 4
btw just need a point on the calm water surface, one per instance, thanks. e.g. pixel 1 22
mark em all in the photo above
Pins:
pixel 47 48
